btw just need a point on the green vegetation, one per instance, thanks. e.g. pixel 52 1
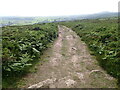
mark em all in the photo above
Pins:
pixel 101 36
pixel 22 47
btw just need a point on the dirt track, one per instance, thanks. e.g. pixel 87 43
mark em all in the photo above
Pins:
pixel 69 65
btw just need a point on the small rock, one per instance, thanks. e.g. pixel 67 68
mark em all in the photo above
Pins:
pixel 74 48
pixel 43 83
pixel 70 82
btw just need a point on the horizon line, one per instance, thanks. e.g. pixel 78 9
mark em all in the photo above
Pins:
pixel 59 15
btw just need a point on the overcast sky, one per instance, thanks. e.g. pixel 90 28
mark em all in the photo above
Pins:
pixel 55 7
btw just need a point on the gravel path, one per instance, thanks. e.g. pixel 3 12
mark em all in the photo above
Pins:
pixel 69 65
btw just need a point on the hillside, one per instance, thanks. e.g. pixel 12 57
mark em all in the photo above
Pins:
pixel 51 55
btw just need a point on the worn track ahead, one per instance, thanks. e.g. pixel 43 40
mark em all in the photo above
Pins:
pixel 69 65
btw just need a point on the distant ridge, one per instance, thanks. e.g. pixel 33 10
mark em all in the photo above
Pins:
pixel 16 20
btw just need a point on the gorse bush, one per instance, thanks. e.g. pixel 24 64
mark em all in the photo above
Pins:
pixel 102 38
pixel 23 45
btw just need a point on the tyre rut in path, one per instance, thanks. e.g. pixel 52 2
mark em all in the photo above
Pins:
pixel 69 65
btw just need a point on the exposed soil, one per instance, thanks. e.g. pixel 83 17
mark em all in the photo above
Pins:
pixel 69 65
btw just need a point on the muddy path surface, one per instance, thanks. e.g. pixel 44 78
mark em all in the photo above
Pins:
pixel 69 65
